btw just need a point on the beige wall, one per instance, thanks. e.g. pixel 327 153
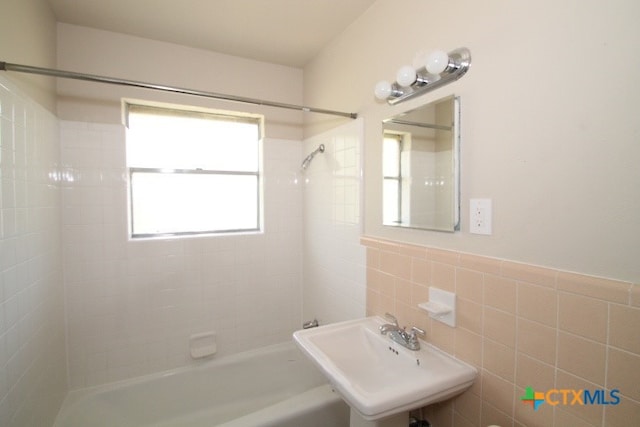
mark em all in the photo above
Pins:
pixel 104 53
pixel 27 37
pixel 549 121
pixel 520 326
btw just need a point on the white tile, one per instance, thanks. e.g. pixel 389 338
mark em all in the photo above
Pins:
pixel 230 269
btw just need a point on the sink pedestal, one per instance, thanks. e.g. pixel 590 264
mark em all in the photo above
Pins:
pixel 398 420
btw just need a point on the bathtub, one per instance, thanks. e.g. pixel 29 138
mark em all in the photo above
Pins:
pixel 275 386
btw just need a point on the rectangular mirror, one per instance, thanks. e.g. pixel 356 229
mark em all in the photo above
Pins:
pixel 420 167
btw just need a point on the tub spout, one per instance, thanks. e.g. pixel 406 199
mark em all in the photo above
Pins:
pixel 310 324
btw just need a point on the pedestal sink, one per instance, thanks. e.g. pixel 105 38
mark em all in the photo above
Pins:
pixel 379 379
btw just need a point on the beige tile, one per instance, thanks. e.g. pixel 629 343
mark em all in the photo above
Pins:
pixel 583 316
pixel 499 359
pixel 395 264
pixel 525 415
pixel 469 284
pixel 469 406
pixel 417 317
pixel 440 414
pixel 374 279
pixel 634 295
pixel 537 341
pixel 623 373
pixel 387 305
pixel 414 251
pixel 373 258
pixel 581 357
pixel 619 415
pixel 403 291
pixel 534 373
pixel 419 294
pixel 373 303
pixel 404 314
pixel 386 245
pixel 443 276
pixel 460 420
pixel 624 327
pixel 493 416
pixel 529 273
pixel 500 326
pixel 498 392
pixel 468 347
pixel 589 413
pixel 469 315
pixel 442 336
pixel 481 263
pixel 538 303
pixel 369 242
pixel 387 285
pixel 500 293
pixel 420 271
pixel 443 256
pixel 595 287
pixel 564 418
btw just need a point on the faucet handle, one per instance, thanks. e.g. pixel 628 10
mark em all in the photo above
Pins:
pixel 415 330
pixel 413 343
pixel 392 318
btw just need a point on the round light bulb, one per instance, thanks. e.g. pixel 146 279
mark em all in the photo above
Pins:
pixel 382 89
pixel 437 62
pixel 406 76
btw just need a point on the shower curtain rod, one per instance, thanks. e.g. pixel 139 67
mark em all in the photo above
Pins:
pixel 6 66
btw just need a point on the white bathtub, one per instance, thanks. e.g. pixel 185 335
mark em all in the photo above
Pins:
pixel 274 386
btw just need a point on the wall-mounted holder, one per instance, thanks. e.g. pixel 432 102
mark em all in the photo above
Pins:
pixel 203 345
pixel 441 306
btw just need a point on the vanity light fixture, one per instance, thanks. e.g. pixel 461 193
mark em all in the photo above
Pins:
pixel 439 69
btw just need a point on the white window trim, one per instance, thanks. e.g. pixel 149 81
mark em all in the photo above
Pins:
pixel 233 115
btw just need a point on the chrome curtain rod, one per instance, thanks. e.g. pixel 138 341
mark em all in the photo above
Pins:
pixel 6 66
pixel 417 124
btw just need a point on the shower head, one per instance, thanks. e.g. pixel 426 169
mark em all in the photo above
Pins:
pixel 307 161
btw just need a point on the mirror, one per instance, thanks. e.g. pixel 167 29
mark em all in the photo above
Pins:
pixel 420 167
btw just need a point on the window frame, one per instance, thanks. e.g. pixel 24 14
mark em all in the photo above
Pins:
pixel 167 109
pixel 399 138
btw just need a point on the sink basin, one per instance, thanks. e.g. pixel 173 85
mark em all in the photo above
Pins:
pixel 378 377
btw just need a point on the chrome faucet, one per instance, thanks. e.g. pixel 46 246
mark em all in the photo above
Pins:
pixel 388 327
pixel 400 335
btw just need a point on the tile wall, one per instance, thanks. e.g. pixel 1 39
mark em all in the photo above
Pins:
pixel 33 380
pixel 521 326
pixel 132 305
pixel 334 261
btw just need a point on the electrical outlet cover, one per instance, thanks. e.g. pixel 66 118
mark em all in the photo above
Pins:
pixel 480 216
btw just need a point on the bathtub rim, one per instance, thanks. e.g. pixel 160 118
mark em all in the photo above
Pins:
pixel 74 396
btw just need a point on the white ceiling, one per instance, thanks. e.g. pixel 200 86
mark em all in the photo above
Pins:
pixel 287 32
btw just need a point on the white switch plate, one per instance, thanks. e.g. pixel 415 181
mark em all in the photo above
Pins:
pixel 480 216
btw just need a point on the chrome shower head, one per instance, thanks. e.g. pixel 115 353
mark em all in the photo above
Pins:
pixel 307 161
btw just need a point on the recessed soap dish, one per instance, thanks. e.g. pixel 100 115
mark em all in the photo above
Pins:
pixel 441 306
pixel 435 308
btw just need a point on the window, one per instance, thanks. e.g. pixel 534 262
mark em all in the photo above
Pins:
pixel 392 178
pixel 192 172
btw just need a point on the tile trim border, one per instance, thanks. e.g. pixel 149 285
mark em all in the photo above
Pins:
pixel 610 290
